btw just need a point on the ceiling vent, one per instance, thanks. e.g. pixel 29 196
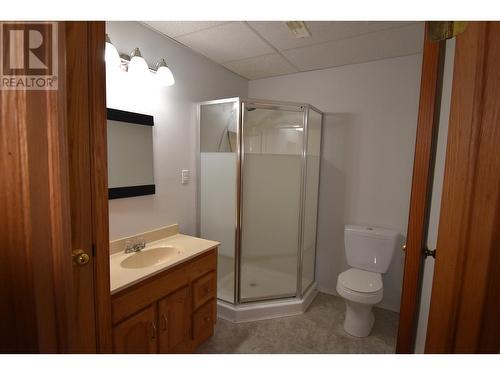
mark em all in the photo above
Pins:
pixel 298 29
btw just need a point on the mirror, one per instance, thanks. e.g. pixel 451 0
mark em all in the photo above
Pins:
pixel 130 154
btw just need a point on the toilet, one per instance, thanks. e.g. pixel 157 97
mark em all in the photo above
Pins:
pixel 369 251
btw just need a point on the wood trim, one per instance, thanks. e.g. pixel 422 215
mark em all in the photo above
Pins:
pixel 464 309
pixel 88 175
pixel 80 187
pixel 99 180
pixel 423 167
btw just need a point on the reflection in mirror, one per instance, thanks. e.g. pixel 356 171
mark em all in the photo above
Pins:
pixel 130 154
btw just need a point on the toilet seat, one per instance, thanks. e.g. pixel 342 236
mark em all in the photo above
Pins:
pixel 360 286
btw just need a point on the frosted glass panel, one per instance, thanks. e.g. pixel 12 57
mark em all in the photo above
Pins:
pixel 273 142
pixel 218 129
pixel 311 198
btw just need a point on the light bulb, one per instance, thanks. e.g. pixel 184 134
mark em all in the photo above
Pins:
pixel 137 65
pixel 111 54
pixel 164 74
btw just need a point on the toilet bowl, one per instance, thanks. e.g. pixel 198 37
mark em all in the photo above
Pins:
pixel 369 251
pixel 360 290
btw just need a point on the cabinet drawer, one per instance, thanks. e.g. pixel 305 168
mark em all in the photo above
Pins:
pixel 203 322
pixel 204 289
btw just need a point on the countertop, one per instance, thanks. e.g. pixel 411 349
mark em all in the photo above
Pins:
pixel 191 247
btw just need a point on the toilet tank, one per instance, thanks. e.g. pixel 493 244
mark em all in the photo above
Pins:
pixel 370 248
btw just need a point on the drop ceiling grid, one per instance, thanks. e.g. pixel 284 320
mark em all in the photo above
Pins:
pixel 362 48
pixel 261 66
pixel 174 29
pixel 278 34
pixel 272 46
pixel 228 42
pixel 259 49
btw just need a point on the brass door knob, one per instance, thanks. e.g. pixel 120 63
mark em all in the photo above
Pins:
pixel 80 257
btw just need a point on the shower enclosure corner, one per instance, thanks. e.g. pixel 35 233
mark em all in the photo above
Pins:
pixel 258 180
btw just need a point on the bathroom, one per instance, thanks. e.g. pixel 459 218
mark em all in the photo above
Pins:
pixel 236 190
pixel 361 112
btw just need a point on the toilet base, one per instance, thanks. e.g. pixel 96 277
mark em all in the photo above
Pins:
pixel 359 319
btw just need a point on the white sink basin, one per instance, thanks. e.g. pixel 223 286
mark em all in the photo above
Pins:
pixel 151 257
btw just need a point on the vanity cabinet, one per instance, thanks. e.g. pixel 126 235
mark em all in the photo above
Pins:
pixel 171 312
pixel 137 334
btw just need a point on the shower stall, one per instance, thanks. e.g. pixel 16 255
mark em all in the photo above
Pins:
pixel 258 180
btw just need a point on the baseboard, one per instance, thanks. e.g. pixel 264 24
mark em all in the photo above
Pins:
pixel 265 310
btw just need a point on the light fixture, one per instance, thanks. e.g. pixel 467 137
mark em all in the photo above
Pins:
pixel 137 65
pixel 111 54
pixel 164 74
pixel 298 29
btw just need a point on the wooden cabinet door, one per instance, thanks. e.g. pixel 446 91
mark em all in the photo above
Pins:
pixel 137 334
pixel 174 318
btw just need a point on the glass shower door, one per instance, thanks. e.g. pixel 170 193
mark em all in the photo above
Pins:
pixel 218 186
pixel 272 139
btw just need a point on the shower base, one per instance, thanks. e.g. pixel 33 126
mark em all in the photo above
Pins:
pixel 251 311
pixel 260 277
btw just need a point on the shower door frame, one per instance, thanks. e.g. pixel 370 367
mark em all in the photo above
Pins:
pixel 236 269
pixel 242 102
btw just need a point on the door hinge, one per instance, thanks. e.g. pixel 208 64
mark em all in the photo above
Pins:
pixel 442 30
pixel 429 253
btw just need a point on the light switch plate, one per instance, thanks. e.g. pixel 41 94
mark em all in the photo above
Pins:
pixel 185 176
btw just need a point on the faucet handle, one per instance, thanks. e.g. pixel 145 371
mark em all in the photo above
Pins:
pixel 141 242
pixel 129 246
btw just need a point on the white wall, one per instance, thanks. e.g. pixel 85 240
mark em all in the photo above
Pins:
pixel 175 136
pixel 437 188
pixel 367 156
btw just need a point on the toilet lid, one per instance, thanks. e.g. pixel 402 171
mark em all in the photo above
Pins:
pixel 361 281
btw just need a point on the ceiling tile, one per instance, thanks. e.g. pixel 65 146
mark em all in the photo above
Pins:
pixel 177 28
pixel 261 66
pixel 278 34
pixel 368 47
pixel 231 41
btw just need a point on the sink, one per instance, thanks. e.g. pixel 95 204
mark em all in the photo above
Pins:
pixel 151 257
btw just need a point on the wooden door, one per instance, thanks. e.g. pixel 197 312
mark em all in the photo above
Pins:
pixel 465 299
pixel 86 129
pixel 174 318
pixel 35 266
pixel 423 167
pixel 53 194
pixel 137 334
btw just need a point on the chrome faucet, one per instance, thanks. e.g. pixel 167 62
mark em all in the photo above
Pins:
pixel 135 246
